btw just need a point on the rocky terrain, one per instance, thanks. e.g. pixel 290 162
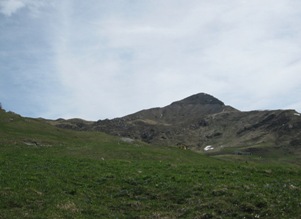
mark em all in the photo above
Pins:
pixel 202 122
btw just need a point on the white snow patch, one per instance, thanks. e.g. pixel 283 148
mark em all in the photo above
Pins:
pixel 127 140
pixel 208 148
pixel 297 114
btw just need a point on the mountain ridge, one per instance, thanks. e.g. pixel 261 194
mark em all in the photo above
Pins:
pixel 202 120
pixel 200 98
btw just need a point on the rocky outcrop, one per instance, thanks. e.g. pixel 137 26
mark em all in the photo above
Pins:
pixel 201 120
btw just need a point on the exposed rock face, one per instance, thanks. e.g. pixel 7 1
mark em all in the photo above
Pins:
pixel 200 98
pixel 201 120
pixel 170 125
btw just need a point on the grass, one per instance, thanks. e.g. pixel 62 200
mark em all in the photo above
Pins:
pixel 67 174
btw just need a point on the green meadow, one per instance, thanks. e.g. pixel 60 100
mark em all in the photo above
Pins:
pixel 47 172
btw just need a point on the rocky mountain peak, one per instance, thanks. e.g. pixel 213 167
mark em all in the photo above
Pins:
pixel 203 123
pixel 200 98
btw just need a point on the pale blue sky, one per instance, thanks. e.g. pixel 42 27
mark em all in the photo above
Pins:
pixel 97 59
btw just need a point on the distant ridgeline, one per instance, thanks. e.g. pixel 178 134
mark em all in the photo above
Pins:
pixel 202 120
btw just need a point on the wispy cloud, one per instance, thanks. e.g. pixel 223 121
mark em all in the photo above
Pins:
pixel 111 58
pixel 9 7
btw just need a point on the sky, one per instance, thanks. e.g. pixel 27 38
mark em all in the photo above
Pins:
pixel 98 59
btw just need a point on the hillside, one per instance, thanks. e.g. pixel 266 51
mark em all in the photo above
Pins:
pixel 205 124
pixel 49 172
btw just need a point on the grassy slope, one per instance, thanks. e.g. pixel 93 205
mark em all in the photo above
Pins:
pixel 46 172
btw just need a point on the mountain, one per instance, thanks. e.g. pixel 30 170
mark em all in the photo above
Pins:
pixel 49 172
pixel 203 123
